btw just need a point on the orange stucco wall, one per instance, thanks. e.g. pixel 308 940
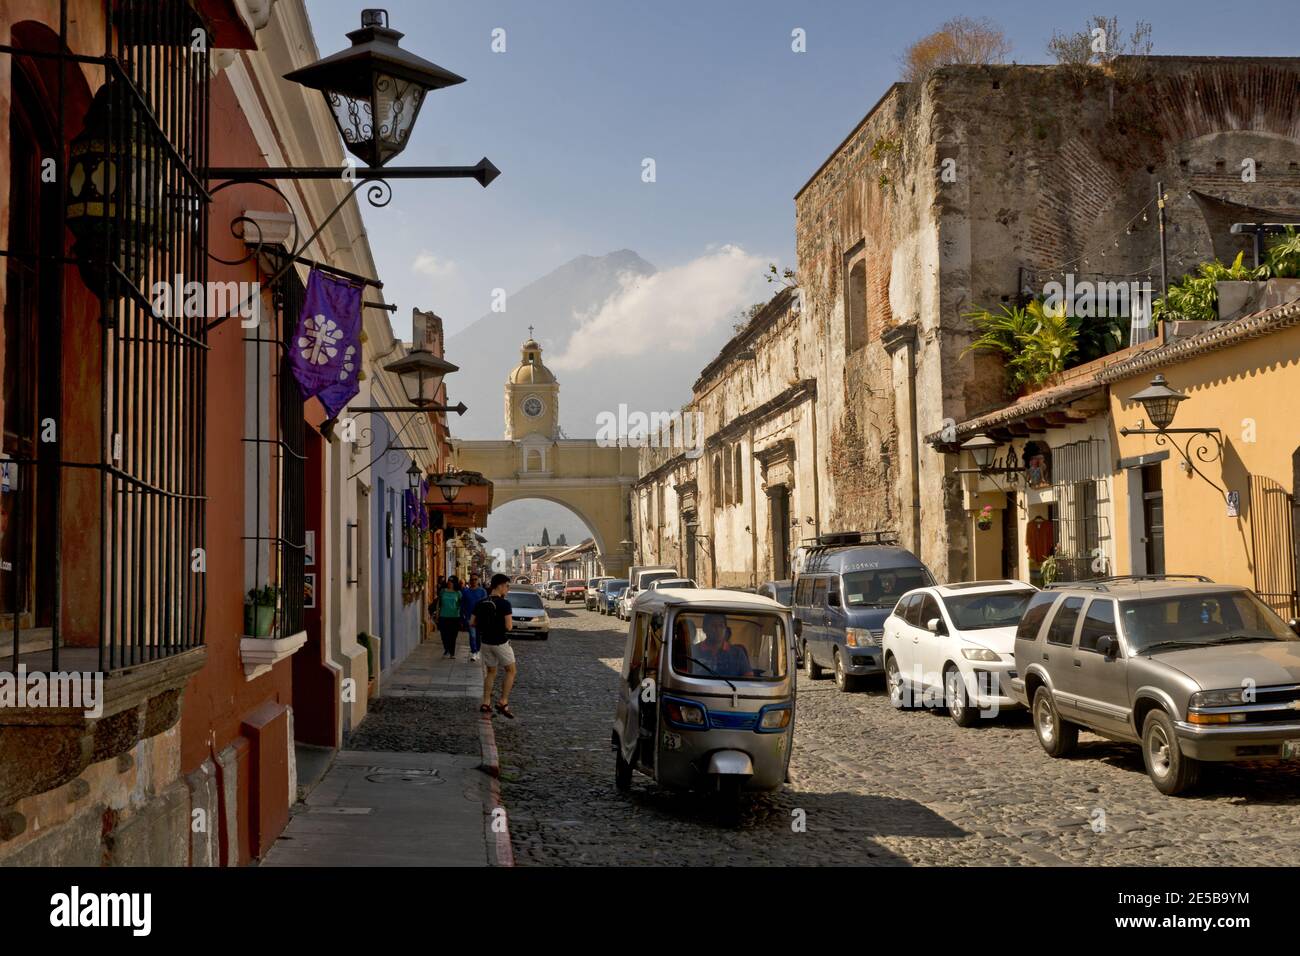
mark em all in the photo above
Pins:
pixel 1248 391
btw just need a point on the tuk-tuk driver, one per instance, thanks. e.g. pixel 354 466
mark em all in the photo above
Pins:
pixel 717 652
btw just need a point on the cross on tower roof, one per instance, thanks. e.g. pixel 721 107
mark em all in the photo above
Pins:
pixel 530 331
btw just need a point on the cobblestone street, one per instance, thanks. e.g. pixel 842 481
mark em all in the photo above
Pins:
pixel 878 787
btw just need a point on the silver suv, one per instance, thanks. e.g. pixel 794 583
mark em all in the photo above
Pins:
pixel 1191 670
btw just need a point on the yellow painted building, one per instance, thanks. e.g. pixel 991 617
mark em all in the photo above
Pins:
pixel 1219 502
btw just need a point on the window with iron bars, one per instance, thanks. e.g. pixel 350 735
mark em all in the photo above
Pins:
pixel 102 507
pixel 1080 527
pixel 275 458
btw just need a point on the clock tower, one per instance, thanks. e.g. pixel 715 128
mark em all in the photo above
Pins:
pixel 532 397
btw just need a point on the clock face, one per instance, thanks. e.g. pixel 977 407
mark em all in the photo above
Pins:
pixel 533 406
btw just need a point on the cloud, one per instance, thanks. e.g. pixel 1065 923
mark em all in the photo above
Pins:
pixel 669 310
pixel 428 264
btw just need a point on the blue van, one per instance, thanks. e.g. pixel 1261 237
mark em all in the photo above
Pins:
pixel 847 586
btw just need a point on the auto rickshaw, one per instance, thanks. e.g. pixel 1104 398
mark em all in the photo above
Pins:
pixel 707 697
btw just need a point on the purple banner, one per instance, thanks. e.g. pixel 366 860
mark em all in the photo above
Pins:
pixel 326 353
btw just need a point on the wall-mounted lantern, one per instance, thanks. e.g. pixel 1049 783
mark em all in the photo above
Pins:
pixel 374 89
pixel 114 192
pixel 1160 402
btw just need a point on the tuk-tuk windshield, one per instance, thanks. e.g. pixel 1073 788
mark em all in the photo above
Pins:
pixel 729 645
pixel 882 588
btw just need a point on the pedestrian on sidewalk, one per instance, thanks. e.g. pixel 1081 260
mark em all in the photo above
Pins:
pixel 469 599
pixel 492 620
pixel 449 604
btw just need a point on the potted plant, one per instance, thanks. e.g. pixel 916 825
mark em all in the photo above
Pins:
pixel 259 611
pixel 984 520
pixel 1049 569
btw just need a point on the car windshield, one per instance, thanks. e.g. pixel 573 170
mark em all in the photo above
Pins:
pixel 615 585
pixel 976 612
pixel 882 588
pixel 729 645
pixel 524 599
pixel 1201 620
pixel 651 577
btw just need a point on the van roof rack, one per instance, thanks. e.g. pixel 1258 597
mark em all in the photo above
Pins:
pixel 1103 584
pixel 841 539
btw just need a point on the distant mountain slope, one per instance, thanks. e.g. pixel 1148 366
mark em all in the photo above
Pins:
pixel 488 349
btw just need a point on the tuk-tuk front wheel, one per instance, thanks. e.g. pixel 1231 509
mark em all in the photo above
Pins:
pixel 622 771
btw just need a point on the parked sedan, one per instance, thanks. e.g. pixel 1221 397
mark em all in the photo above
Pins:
pixel 609 593
pixel 528 614
pixel 953 646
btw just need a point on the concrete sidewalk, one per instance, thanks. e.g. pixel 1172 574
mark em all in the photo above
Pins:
pixel 408 808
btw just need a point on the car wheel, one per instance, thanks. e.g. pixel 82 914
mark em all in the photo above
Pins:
pixel 843 680
pixel 546 635
pixel 1058 737
pixel 956 700
pixel 622 771
pixel 810 666
pixel 898 692
pixel 1169 768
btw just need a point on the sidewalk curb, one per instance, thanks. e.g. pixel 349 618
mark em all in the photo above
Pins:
pixel 498 837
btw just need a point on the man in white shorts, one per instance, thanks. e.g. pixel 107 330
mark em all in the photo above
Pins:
pixel 491 619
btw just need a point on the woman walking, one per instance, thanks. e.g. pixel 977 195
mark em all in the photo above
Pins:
pixel 449 607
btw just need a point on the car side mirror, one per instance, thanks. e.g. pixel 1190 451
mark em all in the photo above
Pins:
pixel 1108 647
pixel 936 626
pixel 798 627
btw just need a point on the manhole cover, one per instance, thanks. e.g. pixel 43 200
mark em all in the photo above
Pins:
pixel 420 778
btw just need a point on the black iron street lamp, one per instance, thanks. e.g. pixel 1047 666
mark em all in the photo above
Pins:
pixel 1160 402
pixel 421 373
pixel 413 476
pixel 374 89
pixel 450 487
pixel 984 449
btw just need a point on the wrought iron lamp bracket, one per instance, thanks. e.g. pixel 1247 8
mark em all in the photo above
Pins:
pixel 1205 444
pixel 379 193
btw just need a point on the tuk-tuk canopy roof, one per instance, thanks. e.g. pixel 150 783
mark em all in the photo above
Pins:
pixel 658 599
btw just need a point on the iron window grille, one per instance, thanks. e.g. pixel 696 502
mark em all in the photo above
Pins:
pixel 108 511
pixel 278 455
pixel 1080 531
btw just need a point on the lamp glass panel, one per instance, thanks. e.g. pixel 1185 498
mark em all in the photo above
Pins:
pixel 355 120
pixel 1161 411
pixel 396 103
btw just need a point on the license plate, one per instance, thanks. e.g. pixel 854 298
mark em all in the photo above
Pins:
pixel 1291 750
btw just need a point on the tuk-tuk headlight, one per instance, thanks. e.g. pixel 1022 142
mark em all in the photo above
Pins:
pixel 775 719
pixel 684 713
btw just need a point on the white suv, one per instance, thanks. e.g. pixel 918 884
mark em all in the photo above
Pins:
pixel 953 646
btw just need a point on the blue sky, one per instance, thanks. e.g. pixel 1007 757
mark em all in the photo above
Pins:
pixel 735 121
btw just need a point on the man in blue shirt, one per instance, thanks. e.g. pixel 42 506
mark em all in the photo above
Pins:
pixel 468 598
